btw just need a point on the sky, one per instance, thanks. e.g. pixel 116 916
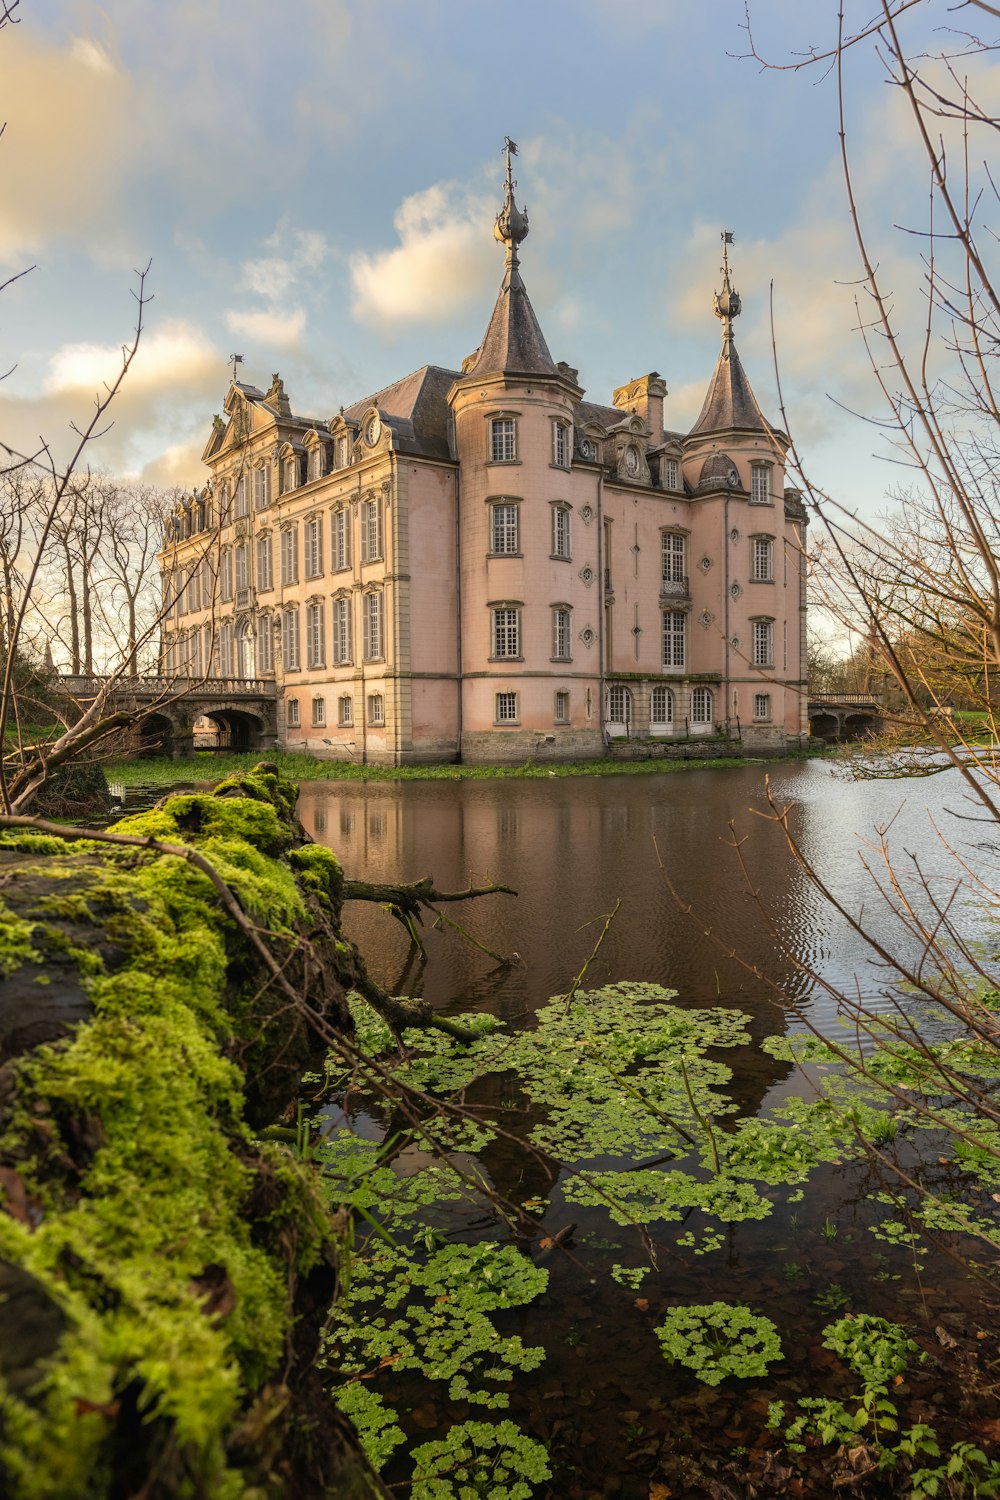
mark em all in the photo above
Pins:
pixel 313 186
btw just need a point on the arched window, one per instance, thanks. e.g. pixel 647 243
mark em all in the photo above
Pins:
pixel 661 708
pixel 619 708
pixel 701 705
pixel 246 654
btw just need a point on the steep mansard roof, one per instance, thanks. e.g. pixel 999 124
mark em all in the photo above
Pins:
pixel 415 409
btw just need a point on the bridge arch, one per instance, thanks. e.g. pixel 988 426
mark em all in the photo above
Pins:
pixel 229 727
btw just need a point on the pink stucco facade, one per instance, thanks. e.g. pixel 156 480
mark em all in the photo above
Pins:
pixel 482 564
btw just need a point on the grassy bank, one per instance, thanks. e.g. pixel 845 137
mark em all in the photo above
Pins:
pixel 207 766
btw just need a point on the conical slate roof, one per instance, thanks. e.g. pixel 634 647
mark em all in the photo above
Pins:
pixel 514 343
pixel 730 402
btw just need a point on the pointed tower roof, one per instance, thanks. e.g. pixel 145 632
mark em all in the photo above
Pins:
pixel 514 343
pixel 729 402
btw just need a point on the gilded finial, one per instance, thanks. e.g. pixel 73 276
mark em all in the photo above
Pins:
pixel 726 304
pixel 511 225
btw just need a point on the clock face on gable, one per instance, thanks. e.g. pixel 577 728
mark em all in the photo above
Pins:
pixel 373 431
pixel 631 460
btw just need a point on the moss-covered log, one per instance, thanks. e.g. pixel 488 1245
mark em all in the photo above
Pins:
pixel 163 1272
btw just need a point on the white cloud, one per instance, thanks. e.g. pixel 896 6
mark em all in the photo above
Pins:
pixel 284 329
pixel 293 253
pixel 92 55
pixel 445 261
pixel 175 352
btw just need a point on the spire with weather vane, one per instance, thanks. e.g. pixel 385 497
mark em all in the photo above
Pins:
pixel 511 225
pixel 726 304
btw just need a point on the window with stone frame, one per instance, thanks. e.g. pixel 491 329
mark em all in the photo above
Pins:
pixel 560 532
pixel 760 484
pixel 506 631
pixel 619 704
pixel 312 546
pixel 762 559
pixel 661 706
pixel 342 630
pixel 340 538
pixel 226 573
pixel 561 445
pixel 265 645
pixel 345 710
pixel 315 634
pixel 376 709
pixel 674 638
pixel 262 487
pixel 290 638
pixel 561 712
pixel 265 562
pixel 761 706
pixel 503 440
pixel 673 557
pixel 226 649
pixel 505 539
pixel 241 507
pixel 670 474
pixel 241 566
pixel 292 713
pixel 290 553
pixel 506 708
pixel 701 705
pixel 763 643
pixel 373 643
pixel 371 531
pixel 561 623
pixel 318 712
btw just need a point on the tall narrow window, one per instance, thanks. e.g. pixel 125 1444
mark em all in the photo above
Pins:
pixel 315 654
pixel 318 712
pixel 242 508
pixel 290 474
pixel 371 531
pixel 562 706
pixel 560 445
pixel 503 440
pixel 376 709
pixel 674 632
pixel 313 546
pixel 340 554
pixel 661 707
pixel 292 713
pixel 619 705
pixel 241 565
pixel 290 554
pixel 762 706
pixel 670 473
pixel 226 649
pixel 560 532
pixel 701 705
pixel 506 632
pixel 673 557
pixel 504 528
pixel 265 562
pixel 760 484
pixel 371 615
pixel 763 643
pixel 762 559
pixel 208 581
pixel 341 631
pixel 290 639
pixel 316 462
pixel 560 633
pixel 345 711
pixel 261 487
pixel 265 645
pixel 226 573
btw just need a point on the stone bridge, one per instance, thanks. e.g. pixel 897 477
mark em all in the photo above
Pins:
pixel 241 711
pixel 844 716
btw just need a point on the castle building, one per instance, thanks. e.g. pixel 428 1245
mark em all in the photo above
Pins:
pixel 480 563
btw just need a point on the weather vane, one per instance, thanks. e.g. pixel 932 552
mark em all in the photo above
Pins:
pixel 237 359
pixel 510 147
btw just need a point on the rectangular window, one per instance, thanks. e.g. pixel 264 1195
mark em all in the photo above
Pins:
pixel 261 487
pixel 562 707
pixel 290 474
pixel 341 631
pixel 506 632
pixel 265 645
pixel 674 632
pixel 763 643
pixel 506 708
pixel 315 654
pixel 701 705
pixel 762 560
pixel 226 650
pixel 241 560
pixel 316 464
pixel 673 557
pixel 670 473
pixel 313 547
pixel 560 445
pixel 560 532
pixel 504 536
pixel 207 582
pixel 318 712
pixel 760 484
pixel 371 531
pixel 560 634
pixel 290 554
pixel 340 554
pixel 762 705
pixel 345 711
pixel 376 709
pixel 503 440
pixel 265 562
pixel 242 508
pixel 290 639
pixel 292 711
pixel 226 573
pixel 371 614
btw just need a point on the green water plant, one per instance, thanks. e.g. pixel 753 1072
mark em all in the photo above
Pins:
pixel 479 1459
pixel 717 1339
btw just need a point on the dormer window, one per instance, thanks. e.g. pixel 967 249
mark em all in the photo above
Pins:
pixel 290 474
pixel 670 473
pixel 343 453
pixel 503 440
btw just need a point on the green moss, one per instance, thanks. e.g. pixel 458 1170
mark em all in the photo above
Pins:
pixel 155 1224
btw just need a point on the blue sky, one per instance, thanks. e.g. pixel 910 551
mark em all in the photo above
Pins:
pixel 315 184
